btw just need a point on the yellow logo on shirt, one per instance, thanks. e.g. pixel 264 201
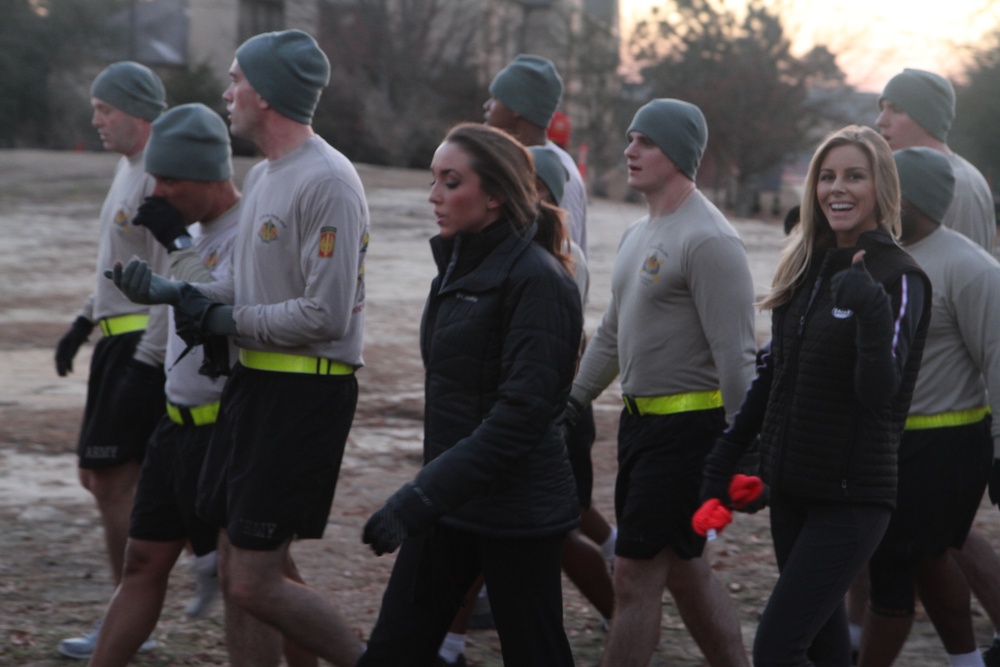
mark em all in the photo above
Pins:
pixel 212 260
pixel 651 266
pixel 327 241
pixel 122 218
pixel 268 232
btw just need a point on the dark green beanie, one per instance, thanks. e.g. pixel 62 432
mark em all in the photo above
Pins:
pixel 550 169
pixel 678 128
pixel 928 98
pixel 287 69
pixel 132 88
pixel 190 142
pixel 529 86
pixel 926 180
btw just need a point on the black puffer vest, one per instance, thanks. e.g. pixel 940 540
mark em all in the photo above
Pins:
pixel 818 440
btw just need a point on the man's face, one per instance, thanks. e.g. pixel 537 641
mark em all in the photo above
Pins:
pixel 497 114
pixel 898 127
pixel 649 169
pixel 192 198
pixel 243 104
pixel 119 132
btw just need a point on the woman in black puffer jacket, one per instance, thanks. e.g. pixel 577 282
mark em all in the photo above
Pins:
pixel 850 314
pixel 499 341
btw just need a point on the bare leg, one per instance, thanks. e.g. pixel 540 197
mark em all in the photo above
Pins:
pixel 883 638
pixel 708 611
pixel 585 566
pixel 113 490
pixel 981 567
pixel 946 599
pixel 295 655
pixel 136 605
pixel 255 582
pixel 638 589
pixel 594 525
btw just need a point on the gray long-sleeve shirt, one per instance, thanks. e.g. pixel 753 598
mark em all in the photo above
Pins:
pixel 681 313
pixel 298 273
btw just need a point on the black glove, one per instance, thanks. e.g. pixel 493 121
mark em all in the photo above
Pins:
pixel 570 416
pixel 385 531
pixel 215 357
pixel 70 344
pixel 164 221
pixel 995 482
pixel 855 289
pixel 190 313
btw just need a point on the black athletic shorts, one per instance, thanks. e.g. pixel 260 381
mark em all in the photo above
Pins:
pixel 272 465
pixel 125 400
pixel 164 508
pixel 579 442
pixel 660 460
pixel 943 473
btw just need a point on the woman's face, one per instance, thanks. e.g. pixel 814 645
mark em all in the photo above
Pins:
pixel 845 192
pixel 460 204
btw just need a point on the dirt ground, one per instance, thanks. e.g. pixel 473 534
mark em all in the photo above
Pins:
pixel 54 581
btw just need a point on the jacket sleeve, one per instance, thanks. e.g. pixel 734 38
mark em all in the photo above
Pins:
pixel 543 326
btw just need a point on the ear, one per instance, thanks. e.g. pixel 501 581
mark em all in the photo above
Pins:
pixel 492 203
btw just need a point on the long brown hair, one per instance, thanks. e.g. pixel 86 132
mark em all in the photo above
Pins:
pixel 813 233
pixel 506 172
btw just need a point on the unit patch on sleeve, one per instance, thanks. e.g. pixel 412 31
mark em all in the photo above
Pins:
pixel 327 241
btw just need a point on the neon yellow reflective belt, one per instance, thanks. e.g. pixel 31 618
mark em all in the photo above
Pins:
pixel 674 403
pixel 945 419
pixel 122 324
pixel 199 415
pixel 292 363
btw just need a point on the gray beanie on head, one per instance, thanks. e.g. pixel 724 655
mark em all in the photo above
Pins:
pixel 678 128
pixel 529 86
pixel 550 169
pixel 928 98
pixel 132 88
pixel 287 69
pixel 189 142
pixel 926 180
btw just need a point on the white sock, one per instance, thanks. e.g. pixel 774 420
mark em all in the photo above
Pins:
pixel 855 630
pixel 608 547
pixel 974 659
pixel 452 647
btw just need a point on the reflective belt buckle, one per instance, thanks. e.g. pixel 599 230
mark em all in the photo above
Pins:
pixel 199 415
pixel 292 363
pixel 122 324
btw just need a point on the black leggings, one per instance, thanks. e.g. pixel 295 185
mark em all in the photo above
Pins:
pixel 433 573
pixel 820 547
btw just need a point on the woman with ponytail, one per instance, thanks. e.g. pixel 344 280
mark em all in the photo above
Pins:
pixel 499 339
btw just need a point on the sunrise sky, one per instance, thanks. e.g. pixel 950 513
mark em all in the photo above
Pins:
pixel 875 39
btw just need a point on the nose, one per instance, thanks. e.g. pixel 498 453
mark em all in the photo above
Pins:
pixel 881 120
pixel 628 149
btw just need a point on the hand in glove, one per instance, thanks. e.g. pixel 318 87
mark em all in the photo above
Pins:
pixel 995 482
pixel 137 281
pixel 164 221
pixel 198 317
pixel 570 416
pixel 854 288
pixel 384 531
pixel 70 344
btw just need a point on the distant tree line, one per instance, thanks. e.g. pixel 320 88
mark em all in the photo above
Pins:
pixel 405 70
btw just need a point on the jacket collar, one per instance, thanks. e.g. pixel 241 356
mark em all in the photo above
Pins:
pixel 479 261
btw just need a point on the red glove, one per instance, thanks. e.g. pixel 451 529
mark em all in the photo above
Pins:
pixel 710 518
pixel 744 489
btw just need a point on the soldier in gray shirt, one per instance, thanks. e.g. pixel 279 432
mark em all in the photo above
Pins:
pixel 295 304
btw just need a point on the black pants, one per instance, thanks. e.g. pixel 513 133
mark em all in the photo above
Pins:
pixel 430 578
pixel 820 547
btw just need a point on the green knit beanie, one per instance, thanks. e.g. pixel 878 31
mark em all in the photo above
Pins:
pixel 928 98
pixel 678 128
pixel 132 88
pixel 550 169
pixel 926 180
pixel 189 142
pixel 287 69
pixel 529 86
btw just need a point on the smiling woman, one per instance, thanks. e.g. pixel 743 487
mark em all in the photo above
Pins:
pixel 894 34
